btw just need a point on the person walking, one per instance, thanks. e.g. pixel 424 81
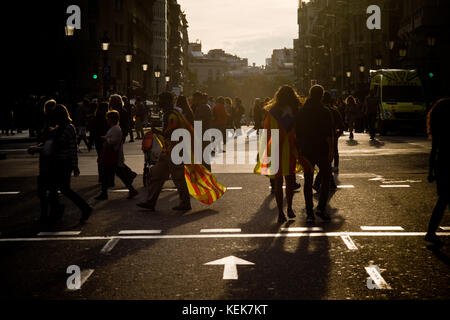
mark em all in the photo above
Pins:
pixel 351 113
pixel 338 129
pixel 47 191
pixel 112 159
pixel 66 159
pixel 281 115
pixel 314 132
pixel 98 127
pixel 371 107
pixel 160 172
pixel 439 171
pixel 141 117
pixel 183 104
pixel 80 123
pixel 220 117
pixel 116 103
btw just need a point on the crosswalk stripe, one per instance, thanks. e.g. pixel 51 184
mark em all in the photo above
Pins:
pixel 9 192
pixel 349 186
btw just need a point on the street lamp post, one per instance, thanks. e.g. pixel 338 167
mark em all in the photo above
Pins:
pixel 167 77
pixel 157 76
pixel 106 72
pixel 128 59
pixel 145 69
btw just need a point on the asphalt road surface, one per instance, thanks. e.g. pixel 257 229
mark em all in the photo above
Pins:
pixel 233 249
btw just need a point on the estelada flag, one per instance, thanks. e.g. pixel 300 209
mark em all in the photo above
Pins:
pixel 202 185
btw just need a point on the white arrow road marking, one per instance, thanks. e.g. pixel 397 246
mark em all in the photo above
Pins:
pixel 59 233
pixel 9 192
pixel 230 269
pixel 140 231
pixel 349 242
pixel 109 246
pixel 375 274
pixel 220 230
pixel 382 228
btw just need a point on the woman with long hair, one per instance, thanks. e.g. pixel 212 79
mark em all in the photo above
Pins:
pixel 439 171
pixel 281 112
pixel 183 104
pixel 66 158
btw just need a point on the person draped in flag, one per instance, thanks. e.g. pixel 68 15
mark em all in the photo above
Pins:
pixel 190 179
pixel 281 113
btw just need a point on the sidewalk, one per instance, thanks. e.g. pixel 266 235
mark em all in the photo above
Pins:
pixel 17 137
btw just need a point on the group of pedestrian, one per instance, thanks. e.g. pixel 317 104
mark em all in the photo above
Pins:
pixel 308 135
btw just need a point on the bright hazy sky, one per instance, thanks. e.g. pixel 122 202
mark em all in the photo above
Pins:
pixel 248 28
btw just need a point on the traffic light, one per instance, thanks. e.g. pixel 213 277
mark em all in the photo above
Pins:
pixel 95 76
pixel 430 75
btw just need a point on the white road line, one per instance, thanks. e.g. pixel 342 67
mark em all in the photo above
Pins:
pixel 59 233
pixel 9 192
pixel 382 228
pixel 301 229
pixel 234 188
pixel 109 246
pixel 220 230
pixel 394 185
pixel 349 186
pixel 120 190
pixel 378 280
pixel 229 235
pixel 169 189
pixel 140 232
pixel 445 228
pixel 349 242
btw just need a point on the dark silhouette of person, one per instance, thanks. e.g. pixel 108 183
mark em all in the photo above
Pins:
pixel 371 107
pixel 439 170
pixel 66 159
pixel 314 133
pixel 98 127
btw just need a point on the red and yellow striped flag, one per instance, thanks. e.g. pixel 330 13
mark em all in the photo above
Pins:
pixel 202 185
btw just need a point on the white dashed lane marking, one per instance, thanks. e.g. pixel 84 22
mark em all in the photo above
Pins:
pixel 220 230
pixel 59 233
pixel 395 186
pixel 382 228
pixel 348 186
pixel 301 229
pixel 445 228
pixel 4 193
pixel 140 232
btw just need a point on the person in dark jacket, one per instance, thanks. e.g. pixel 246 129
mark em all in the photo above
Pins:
pixel 439 170
pixel 314 133
pixel 98 128
pixel 116 103
pixel 66 159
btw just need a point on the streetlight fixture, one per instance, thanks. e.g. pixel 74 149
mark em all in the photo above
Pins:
pixel 378 61
pixel 361 67
pixel 157 76
pixel 391 44
pixel 348 74
pixel 128 59
pixel 69 31
pixel 402 52
pixel 431 41
pixel 167 77
pixel 105 47
pixel 145 69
